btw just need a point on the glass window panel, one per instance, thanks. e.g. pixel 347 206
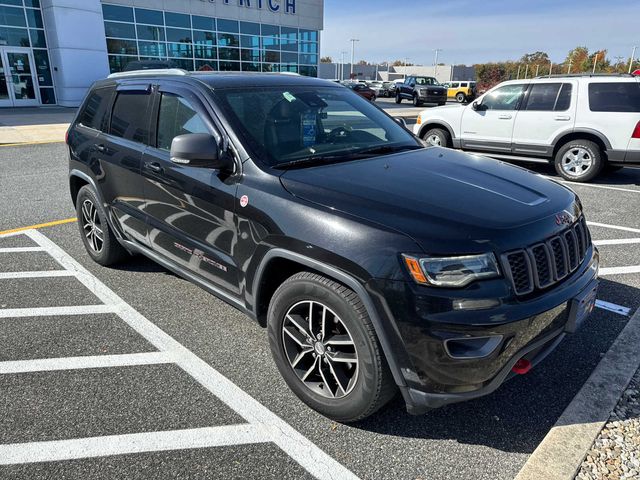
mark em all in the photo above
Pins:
pixel 34 18
pixel 564 99
pixel 205 38
pixel 205 51
pixel 250 28
pixel 249 41
pixel 147 32
pixel 228 25
pixel 270 67
pixel 12 2
pixel 289 46
pixel 96 109
pixel 177 20
pixel 271 42
pixel 271 57
pixel 130 116
pixel 119 30
pixel 152 49
pixel 37 39
pixel 504 98
pixel 308 59
pixel 177 117
pixel 288 57
pixel 153 17
pixel 43 69
pixel 542 97
pixel 229 66
pixel 250 54
pixel 183 63
pixel 269 30
pixel 289 33
pixel 13 17
pixel 308 71
pixel 178 35
pixel 250 67
pixel 28 3
pixel 203 23
pixel 14 37
pixel 118 62
pixel 228 40
pixel 308 35
pixel 179 50
pixel 122 47
pixel 309 48
pixel 121 14
pixel 206 65
pixel 229 54
pixel 289 68
pixel 47 96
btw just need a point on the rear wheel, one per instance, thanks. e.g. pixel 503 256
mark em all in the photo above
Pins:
pixel 437 137
pixel 97 237
pixel 460 97
pixel 326 349
pixel 398 98
pixel 579 161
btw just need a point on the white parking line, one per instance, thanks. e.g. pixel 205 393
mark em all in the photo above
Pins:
pixel 21 249
pixel 612 307
pixel 57 450
pixel 39 274
pixel 81 363
pixel 614 227
pixel 621 241
pixel 591 185
pixel 619 270
pixel 264 424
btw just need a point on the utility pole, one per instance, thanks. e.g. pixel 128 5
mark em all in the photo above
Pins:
pixel 526 72
pixel 537 69
pixel 353 52
pixel 570 63
pixel 435 62
pixel 342 54
pixel 595 64
pixel 550 69
pixel 633 59
pixel 518 76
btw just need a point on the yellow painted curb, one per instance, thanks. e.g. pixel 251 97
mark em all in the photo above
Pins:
pixel 40 225
pixel 21 144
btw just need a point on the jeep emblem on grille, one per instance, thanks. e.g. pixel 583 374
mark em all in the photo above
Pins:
pixel 564 218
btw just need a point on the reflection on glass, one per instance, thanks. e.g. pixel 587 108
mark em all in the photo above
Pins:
pixel 20 70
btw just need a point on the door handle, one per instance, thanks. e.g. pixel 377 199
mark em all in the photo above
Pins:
pixel 153 166
pixel 505 117
pixel 563 118
pixel 101 148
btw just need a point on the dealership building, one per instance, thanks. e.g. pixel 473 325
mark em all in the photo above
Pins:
pixel 52 50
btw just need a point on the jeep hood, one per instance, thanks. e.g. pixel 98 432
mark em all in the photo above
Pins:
pixel 447 201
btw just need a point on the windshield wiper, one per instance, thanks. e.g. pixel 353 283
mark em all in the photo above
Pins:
pixel 384 149
pixel 311 161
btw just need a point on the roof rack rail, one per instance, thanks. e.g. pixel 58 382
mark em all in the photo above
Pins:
pixel 579 75
pixel 151 71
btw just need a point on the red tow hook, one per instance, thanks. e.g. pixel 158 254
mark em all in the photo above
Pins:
pixel 522 367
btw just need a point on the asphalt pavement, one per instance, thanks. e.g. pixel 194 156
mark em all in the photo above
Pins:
pixel 143 396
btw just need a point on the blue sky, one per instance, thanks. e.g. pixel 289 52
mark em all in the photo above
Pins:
pixel 477 31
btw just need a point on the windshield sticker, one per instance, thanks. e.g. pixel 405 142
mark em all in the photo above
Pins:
pixel 289 97
pixel 309 127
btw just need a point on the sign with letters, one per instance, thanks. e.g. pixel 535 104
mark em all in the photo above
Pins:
pixel 275 6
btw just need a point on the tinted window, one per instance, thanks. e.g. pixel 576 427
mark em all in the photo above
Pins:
pixel 153 17
pixel 121 14
pixel 564 99
pixel 177 117
pixel 95 113
pixel 542 96
pixel 130 118
pixel 504 98
pixel 177 20
pixel 204 23
pixel 454 85
pixel 614 97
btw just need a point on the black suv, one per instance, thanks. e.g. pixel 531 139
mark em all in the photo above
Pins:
pixel 421 90
pixel 375 263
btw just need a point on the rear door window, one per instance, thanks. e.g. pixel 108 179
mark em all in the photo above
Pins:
pixel 130 118
pixel 614 97
pixel 177 117
pixel 95 112
pixel 549 97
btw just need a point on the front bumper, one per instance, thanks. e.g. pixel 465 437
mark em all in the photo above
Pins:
pixel 426 321
pixel 430 98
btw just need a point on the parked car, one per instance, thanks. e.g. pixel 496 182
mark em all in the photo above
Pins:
pixel 363 91
pixel 636 73
pixel 376 86
pixel 581 123
pixel 462 92
pixel 421 90
pixel 376 264
pixel 388 89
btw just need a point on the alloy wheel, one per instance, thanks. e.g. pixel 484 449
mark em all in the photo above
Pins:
pixel 91 226
pixel 320 349
pixel 434 140
pixel 577 161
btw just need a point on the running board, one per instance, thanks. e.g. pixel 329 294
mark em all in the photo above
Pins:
pixel 516 158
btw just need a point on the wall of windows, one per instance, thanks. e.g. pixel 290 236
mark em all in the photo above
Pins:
pixel 21 26
pixel 194 42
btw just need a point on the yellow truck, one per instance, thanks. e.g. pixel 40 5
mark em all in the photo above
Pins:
pixel 462 92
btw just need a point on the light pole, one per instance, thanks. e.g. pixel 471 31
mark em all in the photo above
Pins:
pixel 595 64
pixel 353 52
pixel 342 54
pixel 435 62
pixel 633 59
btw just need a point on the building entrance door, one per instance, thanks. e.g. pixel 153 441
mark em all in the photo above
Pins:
pixel 18 87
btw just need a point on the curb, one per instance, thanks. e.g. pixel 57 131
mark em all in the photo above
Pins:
pixel 565 447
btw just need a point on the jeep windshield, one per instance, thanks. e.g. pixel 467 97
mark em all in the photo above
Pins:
pixel 306 125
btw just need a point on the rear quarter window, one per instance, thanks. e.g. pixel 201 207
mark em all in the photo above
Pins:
pixel 614 97
pixel 95 111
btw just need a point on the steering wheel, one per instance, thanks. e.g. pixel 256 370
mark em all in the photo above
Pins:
pixel 338 133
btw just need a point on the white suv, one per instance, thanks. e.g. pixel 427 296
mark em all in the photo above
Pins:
pixel 582 123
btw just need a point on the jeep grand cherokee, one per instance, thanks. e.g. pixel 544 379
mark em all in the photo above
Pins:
pixel 375 263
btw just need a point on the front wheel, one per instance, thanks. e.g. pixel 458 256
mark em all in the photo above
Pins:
pixel 437 137
pixel 579 161
pixel 416 101
pixel 398 98
pixel 325 346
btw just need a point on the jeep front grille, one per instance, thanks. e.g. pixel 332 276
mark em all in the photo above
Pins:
pixel 546 263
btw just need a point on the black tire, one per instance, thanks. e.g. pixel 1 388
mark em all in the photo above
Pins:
pixel 373 99
pixel 108 251
pixel 582 149
pixel 461 97
pixel 416 101
pixel 398 98
pixel 442 134
pixel 612 168
pixel 372 384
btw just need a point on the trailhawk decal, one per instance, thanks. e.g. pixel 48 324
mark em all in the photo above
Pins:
pixel 200 256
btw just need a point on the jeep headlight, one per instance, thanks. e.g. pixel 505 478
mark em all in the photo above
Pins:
pixel 452 271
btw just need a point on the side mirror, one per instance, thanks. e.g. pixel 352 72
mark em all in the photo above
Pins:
pixel 198 150
pixel 476 106
pixel 401 121
pixel 412 84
